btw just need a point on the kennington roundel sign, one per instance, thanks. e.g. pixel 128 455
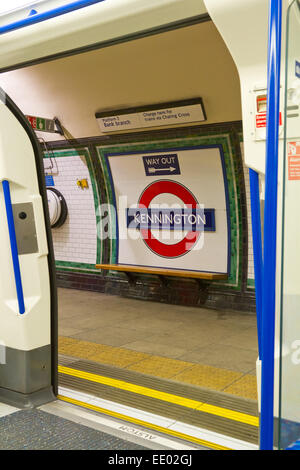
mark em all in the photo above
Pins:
pixel 184 216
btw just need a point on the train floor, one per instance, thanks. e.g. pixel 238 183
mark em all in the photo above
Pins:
pixel 62 426
pixel 184 372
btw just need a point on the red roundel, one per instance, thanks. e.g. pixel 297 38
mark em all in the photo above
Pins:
pixel 191 238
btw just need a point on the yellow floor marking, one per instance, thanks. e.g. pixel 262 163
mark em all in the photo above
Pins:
pixel 99 352
pixel 65 341
pixel 230 414
pixel 245 387
pixel 182 371
pixel 167 397
pixel 145 424
pixel 119 357
pixel 160 366
pixel 82 349
pixel 208 376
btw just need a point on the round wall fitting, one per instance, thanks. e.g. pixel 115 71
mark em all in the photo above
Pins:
pixel 58 209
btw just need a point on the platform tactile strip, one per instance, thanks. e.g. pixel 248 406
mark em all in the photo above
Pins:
pixel 229 381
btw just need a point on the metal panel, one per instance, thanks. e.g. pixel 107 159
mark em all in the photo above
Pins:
pixel 25 228
pixel 26 372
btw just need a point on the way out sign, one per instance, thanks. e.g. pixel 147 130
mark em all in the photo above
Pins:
pixel 162 165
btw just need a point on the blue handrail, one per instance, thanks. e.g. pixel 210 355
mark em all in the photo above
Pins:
pixel 46 15
pixel 13 245
pixel 257 251
pixel 270 227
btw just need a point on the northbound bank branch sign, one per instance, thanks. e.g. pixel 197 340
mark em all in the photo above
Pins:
pixel 172 208
pixel 166 114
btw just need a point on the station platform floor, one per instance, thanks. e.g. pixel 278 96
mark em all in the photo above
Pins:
pixel 213 349
pixel 185 372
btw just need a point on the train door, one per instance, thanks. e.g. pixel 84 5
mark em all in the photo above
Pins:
pixel 289 384
pixel 28 366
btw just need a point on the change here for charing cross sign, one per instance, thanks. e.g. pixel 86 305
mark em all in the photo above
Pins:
pixel 172 208
pixel 166 114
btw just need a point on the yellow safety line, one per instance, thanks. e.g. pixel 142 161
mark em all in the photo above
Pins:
pixel 140 422
pixel 168 397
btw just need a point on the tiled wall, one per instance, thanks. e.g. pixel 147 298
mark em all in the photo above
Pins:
pixel 77 248
pixel 76 240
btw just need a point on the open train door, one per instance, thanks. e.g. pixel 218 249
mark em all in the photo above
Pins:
pixel 28 301
pixel 272 153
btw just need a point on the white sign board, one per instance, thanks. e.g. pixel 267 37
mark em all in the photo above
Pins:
pixel 172 208
pixel 152 118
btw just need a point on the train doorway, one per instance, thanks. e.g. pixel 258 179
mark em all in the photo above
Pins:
pixel 159 344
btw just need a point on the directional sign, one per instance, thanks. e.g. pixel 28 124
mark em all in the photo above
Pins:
pixel 167 164
pixel 166 114
pixel 41 124
pixel 49 180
